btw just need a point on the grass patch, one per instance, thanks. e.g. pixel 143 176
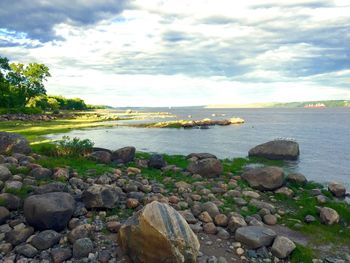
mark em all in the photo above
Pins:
pixel 237 165
pixel 19 170
pixel 22 192
pixel 302 254
pixel 80 164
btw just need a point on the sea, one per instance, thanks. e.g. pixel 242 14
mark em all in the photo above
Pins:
pixel 322 133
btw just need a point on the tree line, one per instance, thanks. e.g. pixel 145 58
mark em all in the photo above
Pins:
pixel 22 87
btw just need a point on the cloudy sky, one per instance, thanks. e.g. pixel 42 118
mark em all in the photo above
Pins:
pixel 183 52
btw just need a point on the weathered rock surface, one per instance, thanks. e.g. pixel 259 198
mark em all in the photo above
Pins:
pixel 156 161
pixel 101 156
pixel 158 233
pixel 201 156
pixel 4 214
pixel 101 196
pixel 18 235
pixel 124 155
pixel 329 216
pixel 41 173
pixel 337 189
pixel 13 143
pixel 282 247
pixel 255 236
pixel 5 173
pixel 45 239
pixel 10 201
pixel 276 150
pixel 266 178
pixel 296 178
pixel 49 211
pixel 209 167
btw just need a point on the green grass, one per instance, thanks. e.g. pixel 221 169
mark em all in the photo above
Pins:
pixel 21 193
pixel 80 164
pixel 237 165
pixel 19 170
pixel 302 254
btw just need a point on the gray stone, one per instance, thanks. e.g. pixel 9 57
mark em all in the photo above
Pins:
pixel 266 178
pixel 282 247
pixel 18 236
pixel 209 167
pixel 49 211
pixel 101 196
pixel 101 156
pixel 82 247
pixel 124 155
pixel 60 255
pixel 338 190
pixel 156 161
pixel 27 250
pixel 201 156
pixel 276 150
pixel 41 173
pixel 5 173
pixel 45 239
pixel 211 208
pixel 329 216
pixel 255 236
pixel 10 201
pixel 50 188
pixel 13 143
pixel 296 178
pixel 4 214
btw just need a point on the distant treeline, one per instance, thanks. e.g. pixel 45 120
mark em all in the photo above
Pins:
pixel 22 90
pixel 326 103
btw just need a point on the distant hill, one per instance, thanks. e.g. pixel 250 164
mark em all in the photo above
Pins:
pixel 326 103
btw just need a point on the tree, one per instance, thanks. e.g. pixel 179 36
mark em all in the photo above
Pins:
pixel 4 84
pixel 27 82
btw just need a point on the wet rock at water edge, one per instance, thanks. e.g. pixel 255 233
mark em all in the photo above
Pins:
pixel 276 150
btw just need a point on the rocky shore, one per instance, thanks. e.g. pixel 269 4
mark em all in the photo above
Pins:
pixel 147 209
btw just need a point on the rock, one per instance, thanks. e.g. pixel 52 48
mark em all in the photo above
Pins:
pixel 49 211
pixel 26 250
pixel 5 248
pixel 41 173
pixel 296 178
pixel 101 196
pixel 236 222
pixel 200 156
pixel 222 233
pixel 156 161
pixel 132 203
pixel 13 185
pixel 262 205
pixel 205 217
pixel 45 239
pixel 5 173
pixel 82 247
pixel 251 194
pixel 4 215
pixel 211 208
pixel 10 201
pixel 270 219
pixel 285 191
pixel 266 178
pixel 61 174
pixel 309 219
pixel 282 247
pixel 101 156
pixel 209 167
pixel 13 143
pixel 124 155
pixel 81 231
pixel 276 150
pixel 255 236
pixel 60 255
pixel 210 228
pixel 163 231
pixel 329 216
pixel 337 189
pixel 221 220
pixel 113 226
pixel 19 235
pixel 50 188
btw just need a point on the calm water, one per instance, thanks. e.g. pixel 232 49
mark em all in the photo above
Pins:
pixel 323 135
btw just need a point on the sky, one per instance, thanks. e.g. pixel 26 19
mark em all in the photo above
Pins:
pixel 183 52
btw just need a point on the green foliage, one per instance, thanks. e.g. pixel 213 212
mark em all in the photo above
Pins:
pixel 74 147
pixel 23 110
pixel 22 192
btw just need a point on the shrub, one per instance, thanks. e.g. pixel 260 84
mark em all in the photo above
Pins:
pixel 74 147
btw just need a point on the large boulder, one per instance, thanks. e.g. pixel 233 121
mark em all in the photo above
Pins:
pixel 276 150
pixel 265 178
pixel 209 167
pixel 124 155
pixel 158 233
pixel 13 143
pixel 338 190
pixel 255 236
pixel 101 196
pixel 101 156
pixel 329 216
pixel 49 211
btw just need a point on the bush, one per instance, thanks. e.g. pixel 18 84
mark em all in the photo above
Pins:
pixel 74 147
pixel 24 110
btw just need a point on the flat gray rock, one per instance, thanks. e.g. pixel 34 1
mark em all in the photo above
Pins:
pixel 255 236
